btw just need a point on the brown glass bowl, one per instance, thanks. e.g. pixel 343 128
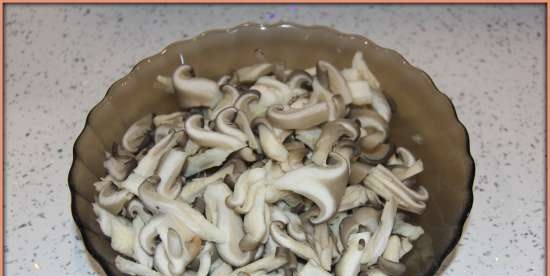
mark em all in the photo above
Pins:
pixel 425 121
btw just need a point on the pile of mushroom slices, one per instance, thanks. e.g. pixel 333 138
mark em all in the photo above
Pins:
pixel 267 171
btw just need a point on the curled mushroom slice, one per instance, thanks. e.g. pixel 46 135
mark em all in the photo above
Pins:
pixel 270 144
pixel 169 171
pixel 285 117
pixel 363 218
pixel 230 224
pixel 360 91
pixel 312 268
pixel 330 134
pixel 358 63
pixel 354 196
pixel 387 186
pixel 336 81
pixel 389 261
pixel 308 136
pixel 350 263
pixel 376 246
pixel 243 192
pixel 205 258
pixel 193 91
pixel 225 123
pixel 378 155
pixel 148 164
pixel 179 243
pixel 300 248
pixel 137 135
pixel 136 209
pixel 358 172
pixel 230 96
pixel 299 79
pixel 407 230
pixel 119 167
pixel 195 187
pixel 266 264
pixel 406 247
pixel 119 229
pixel 245 101
pixel 207 138
pixel 252 73
pixel 112 198
pixel 272 92
pixel 402 157
pixel 408 172
pixel 205 160
pixel 140 255
pixel 324 186
pixel 297 151
pixel 171 119
pixel 133 268
pixel 255 222
pixel 322 243
pixel 179 210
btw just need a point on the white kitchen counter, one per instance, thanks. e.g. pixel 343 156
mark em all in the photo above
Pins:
pixel 60 61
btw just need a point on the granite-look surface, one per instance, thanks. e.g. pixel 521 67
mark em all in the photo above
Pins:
pixel 60 61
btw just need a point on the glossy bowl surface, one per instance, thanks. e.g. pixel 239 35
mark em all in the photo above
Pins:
pixel 425 122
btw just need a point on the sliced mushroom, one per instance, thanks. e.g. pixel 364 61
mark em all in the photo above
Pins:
pixel 136 209
pixel 300 248
pixel 272 92
pixel 207 138
pixel 193 91
pixel 169 171
pixel 376 246
pixel 325 186
pixel 205 257
pixel 299 79
pixel 336 81
pixel 245 101
pixel 252 73
pixel 172 119
pixel 230 96
pixel 112 198
pixel 119 167
pixel 179 210
pixel 358 63
pixel 255 226
pixel 269 142
pixel 297 151
pixel 406 230
pixel 330 134
pixel 358 172
pixel 350 263
pixel 322 243
pixel 379 155
pixel 266 264
pixel 389 261
pixel 243 194
pixel 239 166
pixel 365 218
pixel 137 135
pixel 195 187
pixel 309 136
pixel 285 117
pixel 205 160
pixel 387 186
pixel 119 229
pixel 229 223
pixel 354 196
pixel 402 157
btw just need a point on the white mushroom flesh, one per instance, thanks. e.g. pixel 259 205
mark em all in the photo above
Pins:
pixel 175 203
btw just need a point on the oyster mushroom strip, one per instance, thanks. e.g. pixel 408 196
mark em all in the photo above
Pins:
pixel 271 140
pixel 179 244
pixel 286 117
pixel 312 268
pixel 179 210
pixel 112 198
pixel 335 81
pixel 387 186
pixel 378 242
pixel 271 92
pixel 148 164
pixel 119 229
pixel 230 224
pixel 292 221
pixel 133 268
pixel 267 263
pixel 324 185
pixel 194 91
pixel 137 135
pixel 232 122
pixel 195 187
pixel 169 171
pixel 230 96
pixel 302 249
pixel 331 132
pixel 350 263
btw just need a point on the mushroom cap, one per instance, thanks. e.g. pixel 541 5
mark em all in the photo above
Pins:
pixel 137 135
pixel 379 155
pixel 330 134
pixel 194 92
pixel 299 79
pixel 206 138
pixel 358 172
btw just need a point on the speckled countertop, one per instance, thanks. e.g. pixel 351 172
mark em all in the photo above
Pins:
pixel 60 60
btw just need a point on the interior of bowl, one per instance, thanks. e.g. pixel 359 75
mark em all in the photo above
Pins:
pixel 425 122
